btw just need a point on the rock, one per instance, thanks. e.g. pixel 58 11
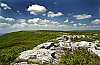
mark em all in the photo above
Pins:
pixel 61 44
pixel 53 55
pixel 26 55
pixel 50 52
pixel 44 45
pixel 43 55
pixel 24 63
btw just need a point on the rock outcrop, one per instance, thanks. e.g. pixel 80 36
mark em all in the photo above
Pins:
pixel 46 53
pixel 50 52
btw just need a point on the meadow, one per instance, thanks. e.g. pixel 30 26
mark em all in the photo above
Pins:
pixel 11 44
pixel 79 57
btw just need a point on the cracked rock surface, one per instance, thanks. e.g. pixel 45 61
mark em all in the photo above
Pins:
pixel 46 53
pixel 50 52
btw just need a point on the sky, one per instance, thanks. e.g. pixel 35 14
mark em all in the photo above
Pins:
pixel 63 15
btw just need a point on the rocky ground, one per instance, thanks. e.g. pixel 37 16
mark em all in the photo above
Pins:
pixel 50 52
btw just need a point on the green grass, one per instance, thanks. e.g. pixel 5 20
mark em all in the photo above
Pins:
pixel 98 45
pixel 79 57
pixel 82 56
pixel 93 36
pixel 12 44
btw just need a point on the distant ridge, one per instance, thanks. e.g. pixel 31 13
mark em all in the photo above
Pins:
pixel 55 31
pixel 69 31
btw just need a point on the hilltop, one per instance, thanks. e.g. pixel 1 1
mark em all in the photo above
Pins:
pixel 11 44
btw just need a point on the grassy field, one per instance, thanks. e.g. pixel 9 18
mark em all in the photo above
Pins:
pixel 12 44
pixel 79 57
pixel 89 36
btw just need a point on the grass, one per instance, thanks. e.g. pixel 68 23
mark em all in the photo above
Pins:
pixel 79 57
pixel 98 45
pixel 93 36
pixel 12 44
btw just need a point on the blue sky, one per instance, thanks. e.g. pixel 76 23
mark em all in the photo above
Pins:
pixel 66 14
pixel 65 6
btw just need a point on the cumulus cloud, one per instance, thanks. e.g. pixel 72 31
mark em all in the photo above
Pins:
pixel 36 9
pixel 10 19
pixel 66 21
pixel 4 6
pixel 23 24
pixel 38 21
pixel 7 20
pixel 55 23
pixel 4 25
pixel 75 25
pixel 81 24
pixel 96 21
pixel 52 14
pixel 19 25
pixel 38 24
pixel 42 21
pixel 71 22
pixel 83 16
pixel 1 17
pixel 20 21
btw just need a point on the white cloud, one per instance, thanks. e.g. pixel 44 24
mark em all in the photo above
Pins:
pixel 1 17
pixel 71 22
pixel 20 21
pixel 81 24
pixel 36 9
pixel 38 21
pixel 96 21
pixel 5 6
pixel 30 24
pixel 21 25
pixel 83 16
pixel 43 14
pixel 10 19
pixel 66 21
pixel 4 19
pixel 40 24
pixel 84 24
pixel 75 25
pixel 55 23
pixel 4 25
pixel 52 14
pixel 43 22
pixel 33 21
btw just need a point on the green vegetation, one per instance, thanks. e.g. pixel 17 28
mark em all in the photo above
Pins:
pixel 98 45
pixel 30 62
pixel 89 36
pixel 12 44
pixel 79 57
